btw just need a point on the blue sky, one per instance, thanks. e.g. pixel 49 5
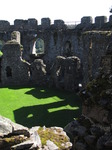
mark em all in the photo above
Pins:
pixel 67 10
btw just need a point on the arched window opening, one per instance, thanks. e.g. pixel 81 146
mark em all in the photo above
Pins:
pixel 8 71
pixel 68 49
pixel 39 46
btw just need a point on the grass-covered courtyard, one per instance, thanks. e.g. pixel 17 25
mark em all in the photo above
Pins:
pixel 39 106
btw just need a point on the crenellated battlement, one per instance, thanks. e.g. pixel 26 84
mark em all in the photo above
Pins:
pixel 32 23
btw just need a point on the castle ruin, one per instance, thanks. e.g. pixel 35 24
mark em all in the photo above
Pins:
pixel 56 54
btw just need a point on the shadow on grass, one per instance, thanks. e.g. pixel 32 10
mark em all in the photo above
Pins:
pixel 49 114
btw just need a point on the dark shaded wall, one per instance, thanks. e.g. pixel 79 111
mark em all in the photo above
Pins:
pixel 14 70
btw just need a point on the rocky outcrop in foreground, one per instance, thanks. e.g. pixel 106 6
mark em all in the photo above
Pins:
pixel 93 130
pixel 87 135
pixel 17 137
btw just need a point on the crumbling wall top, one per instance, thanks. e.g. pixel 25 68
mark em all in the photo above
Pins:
pixel 15 35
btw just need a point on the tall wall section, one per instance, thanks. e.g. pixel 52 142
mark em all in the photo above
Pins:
pixel 87 40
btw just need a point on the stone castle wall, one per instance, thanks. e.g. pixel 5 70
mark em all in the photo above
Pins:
pixel 87 41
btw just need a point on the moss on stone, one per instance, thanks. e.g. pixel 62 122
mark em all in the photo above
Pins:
pixel 21 47
pixel 98 89
pixel 49 134
pixel 14 140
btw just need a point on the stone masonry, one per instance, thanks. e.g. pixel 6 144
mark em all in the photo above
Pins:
pixel 86 41
pixel 14 69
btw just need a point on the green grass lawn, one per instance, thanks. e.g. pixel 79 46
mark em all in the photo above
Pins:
pixel 39 106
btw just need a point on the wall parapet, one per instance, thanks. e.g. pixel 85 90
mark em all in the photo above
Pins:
pixel 59 23
pixel 45 22
pixel 87 20
pixel 4 25
pixel 32 23
pixel 100 20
